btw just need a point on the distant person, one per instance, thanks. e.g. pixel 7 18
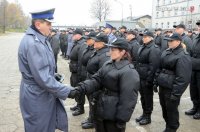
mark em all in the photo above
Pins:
pixel 55 44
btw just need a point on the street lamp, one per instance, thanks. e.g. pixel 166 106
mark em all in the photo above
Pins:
pixel 122 10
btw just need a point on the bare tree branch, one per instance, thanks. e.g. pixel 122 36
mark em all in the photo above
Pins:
pixel 100 9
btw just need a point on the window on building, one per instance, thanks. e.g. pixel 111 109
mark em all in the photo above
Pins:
pixel 156 26
pixel 158 1
pixel 175 12
pixel 163 14
pixel 174 23
pixel 199 9
pixel 162 25
pixel 168 23
pixel 157 14
pixel 164 2
pixel 169 13
pixel 176 1
pixel 183 13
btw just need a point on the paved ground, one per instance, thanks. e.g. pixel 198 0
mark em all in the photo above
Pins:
pixel 10 116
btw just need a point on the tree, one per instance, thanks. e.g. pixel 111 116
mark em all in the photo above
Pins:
pixel 100 9
pixel 14 15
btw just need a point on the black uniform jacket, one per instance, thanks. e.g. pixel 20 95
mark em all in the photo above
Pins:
pixel 119 82
pixel 176 69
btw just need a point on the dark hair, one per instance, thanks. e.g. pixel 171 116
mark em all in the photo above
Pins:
pixel 126 55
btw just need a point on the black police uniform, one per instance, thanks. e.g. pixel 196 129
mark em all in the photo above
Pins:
pixel 158 40
pixel 111 105
pixel 173 79
pixel 147 64
pixel 187 41
pixel 63 43
pixel 133 47
pixel 195 80
pixel 75 69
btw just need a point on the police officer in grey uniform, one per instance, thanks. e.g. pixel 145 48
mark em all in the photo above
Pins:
pixel 40 93
pixel 173 79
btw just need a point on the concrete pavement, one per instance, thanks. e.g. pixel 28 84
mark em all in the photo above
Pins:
pixel 10 116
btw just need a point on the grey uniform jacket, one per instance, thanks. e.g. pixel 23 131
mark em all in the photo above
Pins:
pixel 40 94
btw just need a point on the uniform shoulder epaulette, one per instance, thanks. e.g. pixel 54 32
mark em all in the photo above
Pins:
pixel 185 52
pixel 131 66
pixel 156 46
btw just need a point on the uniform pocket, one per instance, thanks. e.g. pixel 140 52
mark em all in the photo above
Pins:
pixel 107 107
pixel 73 68
pixel 143 72
pixel 165 80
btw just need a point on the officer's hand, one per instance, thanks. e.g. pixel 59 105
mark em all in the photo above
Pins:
pixel 74 93
pixel 121 124
pixel 173 97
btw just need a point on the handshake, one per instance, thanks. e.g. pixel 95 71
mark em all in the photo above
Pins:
pixel 76 93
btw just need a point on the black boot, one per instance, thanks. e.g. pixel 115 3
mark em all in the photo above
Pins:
pixel 169 130
pixel 88 124
pixel 73 108
pixel 139 118
pixel 145 120
pixel 78 111
pixel 197 115
pixel 85 121
pixel 191 111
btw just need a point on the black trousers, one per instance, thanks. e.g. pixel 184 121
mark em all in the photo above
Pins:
pixel 107 126
pixel 169 108
pixel 91 108
pixel 195 89
pixel 146 92
pixel 74 80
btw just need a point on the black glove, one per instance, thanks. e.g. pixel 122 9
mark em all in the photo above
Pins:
pixel 74 93
pixel 121 124
pixel 59 77
pixel 173 97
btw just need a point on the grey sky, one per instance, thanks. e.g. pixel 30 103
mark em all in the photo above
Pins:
pixel 76 12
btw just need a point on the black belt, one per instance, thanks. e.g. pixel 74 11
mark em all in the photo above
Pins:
pixel 167 71
pixel 109 92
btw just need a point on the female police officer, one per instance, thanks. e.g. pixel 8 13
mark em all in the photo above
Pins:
pixel 119 83
pixel 173 79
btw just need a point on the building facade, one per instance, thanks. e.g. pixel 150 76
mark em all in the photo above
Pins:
pixel 166 13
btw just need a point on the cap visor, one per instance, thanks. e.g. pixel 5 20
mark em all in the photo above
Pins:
pixel 51 21
pixel 111 45
pixel 168 39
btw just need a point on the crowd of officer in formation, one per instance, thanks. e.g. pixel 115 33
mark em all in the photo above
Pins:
pixel 168 60
pixel 109 66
